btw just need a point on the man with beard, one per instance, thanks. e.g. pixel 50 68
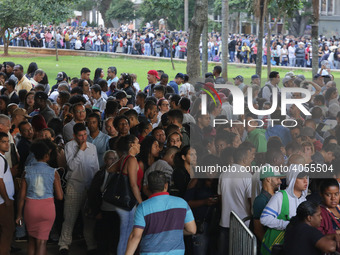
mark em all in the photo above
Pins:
pixel 271 181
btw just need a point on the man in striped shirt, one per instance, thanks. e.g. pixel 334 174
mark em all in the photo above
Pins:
pixel 161 221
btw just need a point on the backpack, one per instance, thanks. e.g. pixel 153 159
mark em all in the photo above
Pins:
pixel 6 163
pixel 273 236
pixel 260 95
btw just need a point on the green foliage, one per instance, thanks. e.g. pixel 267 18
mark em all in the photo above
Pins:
pixel 121 10
pixel 279 8
pixel 234 6
pixel 86 5
pixel 15 13
pixel 172 10
pixel 54 11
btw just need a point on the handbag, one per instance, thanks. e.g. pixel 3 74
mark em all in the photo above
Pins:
pixel 273 236
pixel 118 191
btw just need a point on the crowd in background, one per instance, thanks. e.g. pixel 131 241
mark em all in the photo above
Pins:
pixel 285 50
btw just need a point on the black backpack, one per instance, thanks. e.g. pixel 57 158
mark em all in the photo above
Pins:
pixel 6 163
pixel 260 95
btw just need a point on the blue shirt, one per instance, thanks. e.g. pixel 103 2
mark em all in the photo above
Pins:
pixel 102 144
pixel 40 178
pixel 174 85
pixel 162 217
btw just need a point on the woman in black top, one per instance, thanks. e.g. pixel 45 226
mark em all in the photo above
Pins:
pixel 185 162
pixel 302 235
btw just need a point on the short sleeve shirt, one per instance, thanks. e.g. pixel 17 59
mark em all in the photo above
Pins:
pixel 163 218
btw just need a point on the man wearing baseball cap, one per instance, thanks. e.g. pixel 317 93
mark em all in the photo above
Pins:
pixel 61 76
pixel 152 79
pixel 271 180
pixel 238 80
pixel 18 116
pixel 179 79
pixel 255 80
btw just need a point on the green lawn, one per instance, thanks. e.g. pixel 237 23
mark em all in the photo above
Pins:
pixel 72 65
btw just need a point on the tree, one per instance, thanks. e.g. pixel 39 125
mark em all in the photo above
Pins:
pixel 195 30
pixel 55 12
pixel 225 16
pixel 120 10
pixel 153 10
pixel 260 10
pixel 315 33
pixel 14 13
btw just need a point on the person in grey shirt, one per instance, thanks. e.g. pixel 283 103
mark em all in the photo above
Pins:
pixel 79 115
pixel 164 165
pixel 82 164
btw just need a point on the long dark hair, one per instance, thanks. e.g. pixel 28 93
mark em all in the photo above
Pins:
pixel 304 210
pixel 124 143
pixel 179 162
pixel 97 75
pixel 145 150
pixel 31 69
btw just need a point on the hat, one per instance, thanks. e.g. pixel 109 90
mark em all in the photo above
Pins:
pixel 61 76
pixel 301 43
pixel 268 171
pixel 40 95
pixel 255 76
pixel 239 77
pixel 307 131
pixel 122 94
pixel 38 122
pixel 179 75
pixel 301 76
pixel 291 74
pixel 21 111
pixel 154 72
pixel 286 79
pixel 317 76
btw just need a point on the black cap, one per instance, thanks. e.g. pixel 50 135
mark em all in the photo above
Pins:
pixel 122 94
pixel 40 95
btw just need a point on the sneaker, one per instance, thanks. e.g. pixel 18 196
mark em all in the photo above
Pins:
pixel 63 252
pixel 21 239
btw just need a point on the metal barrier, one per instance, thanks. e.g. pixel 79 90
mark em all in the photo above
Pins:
pixel 241 240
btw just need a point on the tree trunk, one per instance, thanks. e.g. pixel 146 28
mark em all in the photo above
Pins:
pixel 269 36
pixel 315 35
pixel 225 35
pixel 195 30
pixel 56 44
pixel 263 8
pixel 102 8
pixel 186 15
pixel 238 23
pixel 171 58
pixel 205 49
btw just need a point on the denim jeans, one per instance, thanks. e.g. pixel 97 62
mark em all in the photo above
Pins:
pixel 292 61
pixel 126 225
pixel 264 59
pixel 300 62
pixel 97 48
pixel 200 242
pixel 232 56
pixel 166 53
pixel 223 241
pixel 147 49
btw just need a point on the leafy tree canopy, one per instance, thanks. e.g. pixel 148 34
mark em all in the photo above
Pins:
pixel 121 10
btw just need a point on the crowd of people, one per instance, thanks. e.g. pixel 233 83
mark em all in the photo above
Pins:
pixel 125 158
pixel 157 41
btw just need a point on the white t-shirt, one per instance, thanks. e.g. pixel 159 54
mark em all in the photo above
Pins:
pixel 291 52
pixel 235 189
pixel 8 180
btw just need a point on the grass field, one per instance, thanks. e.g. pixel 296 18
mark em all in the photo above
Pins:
pixel 71 65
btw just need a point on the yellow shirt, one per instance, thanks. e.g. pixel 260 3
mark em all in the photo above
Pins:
pixel 24 83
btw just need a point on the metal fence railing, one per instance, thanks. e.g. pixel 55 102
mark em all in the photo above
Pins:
pixel 241 240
